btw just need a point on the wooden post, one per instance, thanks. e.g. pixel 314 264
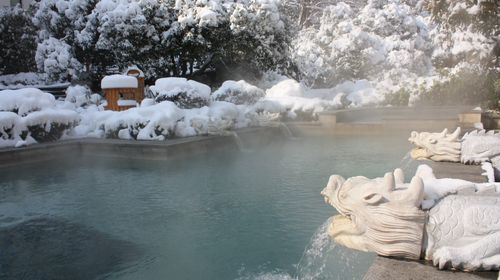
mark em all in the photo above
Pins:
pixel 135 72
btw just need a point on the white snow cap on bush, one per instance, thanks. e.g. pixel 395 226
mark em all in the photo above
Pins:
pixel 238 92
pixel 292 96
pixel 162 116
pixel 186 94
pixel 119 81
pixel 286 88
pixel 25 100
pixel 48 116
pixel 172 86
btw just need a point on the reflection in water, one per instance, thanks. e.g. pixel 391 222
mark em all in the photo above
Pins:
pixel 45 248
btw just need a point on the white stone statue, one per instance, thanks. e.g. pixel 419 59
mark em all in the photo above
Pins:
pixel 474 147
pixel 461 229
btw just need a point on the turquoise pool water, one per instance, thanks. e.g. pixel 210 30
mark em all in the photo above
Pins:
pixel 253 214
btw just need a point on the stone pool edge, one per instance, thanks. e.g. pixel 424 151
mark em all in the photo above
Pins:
pixel 137 149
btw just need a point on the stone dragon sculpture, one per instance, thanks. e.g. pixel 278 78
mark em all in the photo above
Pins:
pixel 454 223
pixel 473 148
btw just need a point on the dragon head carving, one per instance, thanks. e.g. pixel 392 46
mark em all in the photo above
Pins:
pixel 379 215
pixel 441 146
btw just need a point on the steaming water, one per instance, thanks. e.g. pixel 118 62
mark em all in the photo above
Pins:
pixel 222 215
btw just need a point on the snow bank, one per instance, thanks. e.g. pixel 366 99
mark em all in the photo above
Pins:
pixel 119 81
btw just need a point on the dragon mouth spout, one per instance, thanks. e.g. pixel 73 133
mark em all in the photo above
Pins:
pixel 439 146
pixel 366 206
pixel 420 154
pixel 344 232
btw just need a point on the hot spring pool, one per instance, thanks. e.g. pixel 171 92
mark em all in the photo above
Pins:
pixel 221 215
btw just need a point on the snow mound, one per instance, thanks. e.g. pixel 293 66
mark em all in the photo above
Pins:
pixel 238 92
pixel 119 81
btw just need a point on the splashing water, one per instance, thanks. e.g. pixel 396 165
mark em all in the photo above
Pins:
pixel 323 259
pixel 313 260
pixel 286 130
pixel 406 162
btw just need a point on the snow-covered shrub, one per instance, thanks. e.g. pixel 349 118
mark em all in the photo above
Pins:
pixel 17 41
pixel 25 101
pixel 32 113
pixel 55 58
pixel 155 122
pixel 50 124
pixel 291 95
pixel 10 125
pixel 184 93
pixel 238 92
pixel 79 95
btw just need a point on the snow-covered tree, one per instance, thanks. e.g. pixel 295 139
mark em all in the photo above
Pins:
pixel 17 41
pixel 55 57
pixel 348 44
